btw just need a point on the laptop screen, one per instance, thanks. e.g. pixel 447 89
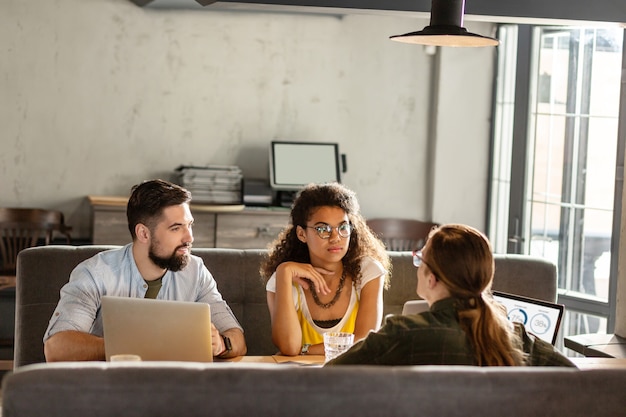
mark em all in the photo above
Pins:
pixel 540 318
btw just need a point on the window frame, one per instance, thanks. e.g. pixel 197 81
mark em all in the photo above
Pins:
pixel 518 224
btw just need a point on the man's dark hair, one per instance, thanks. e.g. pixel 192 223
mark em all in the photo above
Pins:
pixel 148 199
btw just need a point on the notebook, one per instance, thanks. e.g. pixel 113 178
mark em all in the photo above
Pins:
pixel 157 330
pixel 540 318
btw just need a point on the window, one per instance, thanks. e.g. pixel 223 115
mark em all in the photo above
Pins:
pixel 554 160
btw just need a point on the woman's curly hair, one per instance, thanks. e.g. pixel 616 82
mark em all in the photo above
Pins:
pixel 363 242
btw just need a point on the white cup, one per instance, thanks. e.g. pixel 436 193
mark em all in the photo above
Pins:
pixel 335 343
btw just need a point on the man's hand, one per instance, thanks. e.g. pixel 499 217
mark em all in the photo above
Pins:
pixel 217 343
pixel 237 341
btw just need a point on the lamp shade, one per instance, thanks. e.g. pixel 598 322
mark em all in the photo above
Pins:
pixel 446 28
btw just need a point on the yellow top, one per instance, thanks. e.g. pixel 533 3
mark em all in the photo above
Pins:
pixel 311 336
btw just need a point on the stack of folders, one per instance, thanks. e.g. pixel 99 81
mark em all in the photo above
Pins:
pixel 212 184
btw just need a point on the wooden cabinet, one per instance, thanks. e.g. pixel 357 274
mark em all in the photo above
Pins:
pixel 214 226
pixel 249 229
pixel 109 226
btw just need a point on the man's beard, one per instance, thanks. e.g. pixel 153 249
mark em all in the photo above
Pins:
pixel 173 262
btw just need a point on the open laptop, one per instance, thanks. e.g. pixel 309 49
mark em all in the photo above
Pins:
pixel 540 318
pixel 415 307
pixel 157 330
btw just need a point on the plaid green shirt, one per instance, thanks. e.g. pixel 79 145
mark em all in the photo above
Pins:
pixel 435 338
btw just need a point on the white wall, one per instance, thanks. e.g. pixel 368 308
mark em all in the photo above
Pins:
pixel 463 123
pixel 97 95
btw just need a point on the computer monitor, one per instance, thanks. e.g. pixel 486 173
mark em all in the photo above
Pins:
pixel 296 164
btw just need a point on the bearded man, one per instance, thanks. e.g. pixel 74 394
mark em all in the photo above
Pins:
pixel 157 264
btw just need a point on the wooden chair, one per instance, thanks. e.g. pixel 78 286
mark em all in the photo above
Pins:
pixel 401 234
pixel 22 228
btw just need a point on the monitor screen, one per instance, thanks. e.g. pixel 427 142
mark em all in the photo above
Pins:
pixel 296 164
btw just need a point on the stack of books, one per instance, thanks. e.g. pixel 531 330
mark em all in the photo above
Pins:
pixel 212 184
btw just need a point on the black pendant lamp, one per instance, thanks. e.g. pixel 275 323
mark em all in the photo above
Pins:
pixel 446 28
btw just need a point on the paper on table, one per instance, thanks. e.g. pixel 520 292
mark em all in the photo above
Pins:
pixel 300 359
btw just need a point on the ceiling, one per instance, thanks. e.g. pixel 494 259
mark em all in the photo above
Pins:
pixel 500 11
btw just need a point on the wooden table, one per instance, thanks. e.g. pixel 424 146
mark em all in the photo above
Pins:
pixel 581 363
pixel 597 345
pixel 279 359
pixel 318 360
pixel 599 363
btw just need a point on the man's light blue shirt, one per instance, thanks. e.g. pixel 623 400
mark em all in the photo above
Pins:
pixel 114 272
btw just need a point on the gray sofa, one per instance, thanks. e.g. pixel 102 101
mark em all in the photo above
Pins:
pixel 42 271
pixel 234 389
pixel 245 389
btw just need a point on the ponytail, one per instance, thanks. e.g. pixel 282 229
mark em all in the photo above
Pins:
pixel 461 257
pixel 490 333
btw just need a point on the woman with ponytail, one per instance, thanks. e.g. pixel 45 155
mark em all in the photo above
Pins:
pixel 465 325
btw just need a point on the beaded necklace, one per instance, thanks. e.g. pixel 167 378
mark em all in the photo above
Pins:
pixel 335 298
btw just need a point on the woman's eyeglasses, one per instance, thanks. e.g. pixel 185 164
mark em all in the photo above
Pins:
pixel 325 230
pixel 417 258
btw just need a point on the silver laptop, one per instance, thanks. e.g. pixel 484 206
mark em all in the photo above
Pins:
pixel 540 318
pixel 157 330
pixel 415 307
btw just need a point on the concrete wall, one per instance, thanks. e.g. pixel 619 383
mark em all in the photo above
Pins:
pixel 98 95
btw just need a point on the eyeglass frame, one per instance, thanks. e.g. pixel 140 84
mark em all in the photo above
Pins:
pixel 329 229
pixel 418 260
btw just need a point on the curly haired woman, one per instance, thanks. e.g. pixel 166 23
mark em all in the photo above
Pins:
pixel 325 272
